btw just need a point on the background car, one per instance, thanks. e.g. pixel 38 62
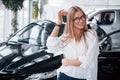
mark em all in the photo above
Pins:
pixel 22 54
pixel 109 61
pixel 107 44
pixel 109 21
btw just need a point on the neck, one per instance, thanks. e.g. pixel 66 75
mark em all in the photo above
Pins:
pixel 77 32
pixel 77 35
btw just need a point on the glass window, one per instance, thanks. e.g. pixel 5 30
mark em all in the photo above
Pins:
pixel 106 18
pixel 6 17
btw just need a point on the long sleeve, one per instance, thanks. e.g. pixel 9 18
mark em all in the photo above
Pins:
pixel 89 61
pixel 53 44
pixel 92 60
pixel 88 57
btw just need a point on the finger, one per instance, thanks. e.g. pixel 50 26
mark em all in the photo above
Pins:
pixel 61 12
pixel 65 13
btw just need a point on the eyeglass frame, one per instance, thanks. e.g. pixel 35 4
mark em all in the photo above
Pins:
pixel 82 18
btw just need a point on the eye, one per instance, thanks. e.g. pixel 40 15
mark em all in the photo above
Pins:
pixel 77 18
pixel 83 17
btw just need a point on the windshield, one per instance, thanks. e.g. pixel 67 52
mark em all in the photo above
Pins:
pixel 28 34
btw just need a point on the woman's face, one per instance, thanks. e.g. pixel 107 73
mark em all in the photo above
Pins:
pixel 79 20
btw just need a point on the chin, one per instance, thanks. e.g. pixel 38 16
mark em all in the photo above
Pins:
pixel 81 27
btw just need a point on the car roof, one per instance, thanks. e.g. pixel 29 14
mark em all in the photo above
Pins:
pixel 101 10
pixel 95 11
pixel 108 10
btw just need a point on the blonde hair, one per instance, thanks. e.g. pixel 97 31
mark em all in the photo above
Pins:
pixel 69 31
pixel 69 25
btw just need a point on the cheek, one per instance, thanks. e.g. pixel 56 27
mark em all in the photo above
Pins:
pixel 80 25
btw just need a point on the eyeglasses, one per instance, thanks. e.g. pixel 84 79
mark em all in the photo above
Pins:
pixel 79 19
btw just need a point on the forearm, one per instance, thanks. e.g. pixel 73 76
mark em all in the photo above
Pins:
pixel 71 62
pixel 55 31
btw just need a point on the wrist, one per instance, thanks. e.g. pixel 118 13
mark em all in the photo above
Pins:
pixel 59 25
pixel 59 22
pixel 65 62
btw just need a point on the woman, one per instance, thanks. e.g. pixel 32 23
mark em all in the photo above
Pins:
pixel 79 45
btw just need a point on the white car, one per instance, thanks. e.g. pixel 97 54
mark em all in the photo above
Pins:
pixel 109 21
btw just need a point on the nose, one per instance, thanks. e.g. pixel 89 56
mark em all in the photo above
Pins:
pixel 80 20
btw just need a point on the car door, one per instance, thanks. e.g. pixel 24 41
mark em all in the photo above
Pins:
pixel 110 22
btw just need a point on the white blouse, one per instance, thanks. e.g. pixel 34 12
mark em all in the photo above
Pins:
pixel 88 56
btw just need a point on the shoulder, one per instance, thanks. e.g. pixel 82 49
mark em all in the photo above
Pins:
pixel 91 34
pixel 64 36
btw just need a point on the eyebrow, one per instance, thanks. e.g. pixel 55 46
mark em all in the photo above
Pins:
pixel 80 16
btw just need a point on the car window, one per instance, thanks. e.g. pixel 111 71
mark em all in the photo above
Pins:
pixel 34 33
pixel 104 18
pixel 31 36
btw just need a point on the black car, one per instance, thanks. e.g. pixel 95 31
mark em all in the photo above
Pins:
pixel 109 61
pixel 27 55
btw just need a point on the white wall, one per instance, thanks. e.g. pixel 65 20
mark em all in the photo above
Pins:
pixel 53 6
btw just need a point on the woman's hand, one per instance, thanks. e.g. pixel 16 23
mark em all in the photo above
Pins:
pixel 55 31
pixel 61 13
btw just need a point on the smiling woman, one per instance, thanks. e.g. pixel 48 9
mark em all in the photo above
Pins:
pixel 80 55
